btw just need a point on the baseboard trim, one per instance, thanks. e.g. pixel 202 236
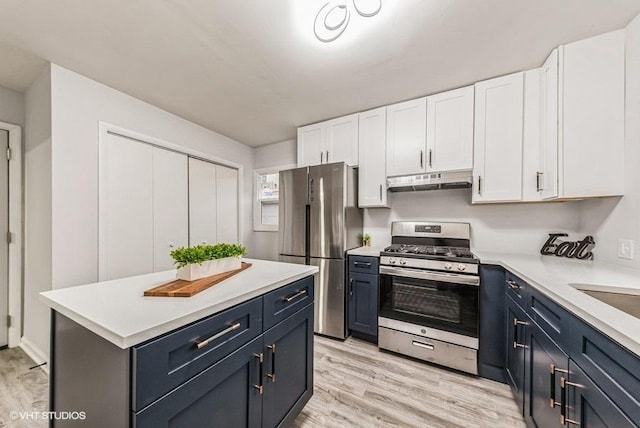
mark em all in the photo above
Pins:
pixel 34 353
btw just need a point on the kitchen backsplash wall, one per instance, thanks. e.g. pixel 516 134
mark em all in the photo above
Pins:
pixel 517 228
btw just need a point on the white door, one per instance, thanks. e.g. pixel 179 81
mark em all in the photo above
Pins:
pixel 548 177
pixel 450 130
pixel 311 147
pixel 4 247
pixel 372 177
pixel 497 166
pixel 532 138
pixel 227 204
pixel 406 137
pixel 170 206
pixel 202 203
pixel 126 208
pixel 342 140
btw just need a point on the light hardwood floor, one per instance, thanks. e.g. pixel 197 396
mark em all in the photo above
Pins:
pixel 22 389
pixel 355 386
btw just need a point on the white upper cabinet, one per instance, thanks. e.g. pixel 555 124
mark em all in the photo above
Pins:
pixel 497 166
pixel 450 130
pixel 532 140
pixel 406 137
pixel 547 174
pixel 591 116
pixel 372 177
pixel 334 140
pixel 202 203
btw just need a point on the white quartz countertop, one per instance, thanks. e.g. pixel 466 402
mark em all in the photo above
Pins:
pixel 118 311
pixel 553 277
pixel 366 251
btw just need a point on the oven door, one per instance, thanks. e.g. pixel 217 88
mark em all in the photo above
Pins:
pixel 443 301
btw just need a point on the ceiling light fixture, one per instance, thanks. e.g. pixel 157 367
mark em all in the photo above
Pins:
pixel 333 18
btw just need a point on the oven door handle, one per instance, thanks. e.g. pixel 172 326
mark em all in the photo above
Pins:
pixel 433 276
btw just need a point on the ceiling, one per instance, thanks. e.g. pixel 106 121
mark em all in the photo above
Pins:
pixel 252 69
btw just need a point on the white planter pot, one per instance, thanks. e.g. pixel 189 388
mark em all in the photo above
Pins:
pixel 212 267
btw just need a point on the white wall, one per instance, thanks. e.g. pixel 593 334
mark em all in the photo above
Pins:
pixel 37 194
pixel 610 219
pixel 265 244
pixel 78 104
pixel 517 228
pixel 11 107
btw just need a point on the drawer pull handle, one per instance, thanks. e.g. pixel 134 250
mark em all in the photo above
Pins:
pixel 272 375
pixel 423 345
pixel 516 323
pixel 513 285
pixel 365 264
pixel 552 385
pixel 203 343
pixel 259 385
pixel 294 296
pixel 563 401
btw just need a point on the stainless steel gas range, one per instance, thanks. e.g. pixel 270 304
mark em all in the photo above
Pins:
pixel 429 293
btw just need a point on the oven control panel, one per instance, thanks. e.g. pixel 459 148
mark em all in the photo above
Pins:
pixel 428 228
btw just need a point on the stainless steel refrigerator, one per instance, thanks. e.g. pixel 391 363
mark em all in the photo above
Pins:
pixel 319 221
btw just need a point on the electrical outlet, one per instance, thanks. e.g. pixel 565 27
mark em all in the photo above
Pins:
pixel 625 248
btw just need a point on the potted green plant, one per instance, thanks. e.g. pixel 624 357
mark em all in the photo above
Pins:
pixel 201 261
pixel 366 240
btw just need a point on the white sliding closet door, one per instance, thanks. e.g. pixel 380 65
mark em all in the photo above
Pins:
pixel 170 206
pixel 227 209
pixel 202 202
pixel 126 208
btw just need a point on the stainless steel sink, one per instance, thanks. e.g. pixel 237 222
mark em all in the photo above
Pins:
pixel 626 300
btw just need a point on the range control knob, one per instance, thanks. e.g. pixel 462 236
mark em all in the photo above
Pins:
pixel 403 262
pixel 461 267
pixel 392 261
pixel 448 266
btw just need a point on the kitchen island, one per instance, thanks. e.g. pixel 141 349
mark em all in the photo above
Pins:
pixel 237 354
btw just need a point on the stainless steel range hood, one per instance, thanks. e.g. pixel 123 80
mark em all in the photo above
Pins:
pixel 436 181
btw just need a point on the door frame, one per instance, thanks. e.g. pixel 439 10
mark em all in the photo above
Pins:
pixel 16 228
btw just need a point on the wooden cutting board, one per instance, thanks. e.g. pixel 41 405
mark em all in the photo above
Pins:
pixel 182 288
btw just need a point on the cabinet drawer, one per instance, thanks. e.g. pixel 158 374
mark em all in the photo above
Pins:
pixel 285 301
pixel 613 368
pixel 549 316
pixel 363 264
pixel 164 363
pixel 515 288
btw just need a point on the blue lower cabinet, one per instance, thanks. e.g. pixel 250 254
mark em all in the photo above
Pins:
pixel 587 406
pixel 516 329
pixel 491 355
pixel 545 364
pixel 227 394
pixel 363 303
pixel 288 368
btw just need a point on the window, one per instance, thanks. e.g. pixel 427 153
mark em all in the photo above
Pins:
pixel 265 204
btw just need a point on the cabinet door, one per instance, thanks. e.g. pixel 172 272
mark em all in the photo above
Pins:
pixel 170 206
pixel 588 406
pixel 546 363
pixel 227 204
pixel 126 208
pixel 363 303
pixel 548 180
pixel 372 180
pixel 202 202
pixel 406 137
pixel 497 161
pixel 342 140
pixel 224 395
pixel 288 368
pixel 311 145
pixel 516 321
pixel 532 138
pixel 491 353
pixel 450 130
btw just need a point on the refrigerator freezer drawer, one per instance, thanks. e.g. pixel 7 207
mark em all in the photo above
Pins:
pixel 329 304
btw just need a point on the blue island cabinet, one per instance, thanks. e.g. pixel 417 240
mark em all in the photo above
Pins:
pixel 248 366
